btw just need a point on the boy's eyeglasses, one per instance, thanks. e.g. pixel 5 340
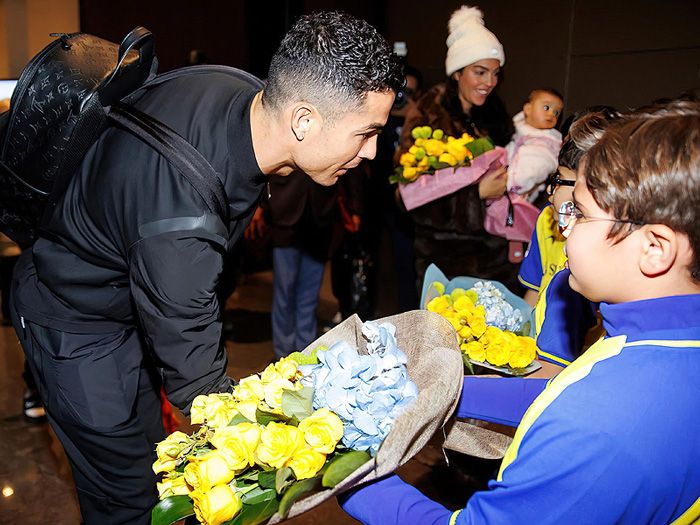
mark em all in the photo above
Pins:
pixel 569 214
pixel 553 180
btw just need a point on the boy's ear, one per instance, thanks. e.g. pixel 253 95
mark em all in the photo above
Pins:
pixel 660 249
pixel 303 117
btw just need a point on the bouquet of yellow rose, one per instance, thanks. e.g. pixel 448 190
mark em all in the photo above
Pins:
pixel 432 150
pixel 303 425
pixel 258 450
pixel 486 326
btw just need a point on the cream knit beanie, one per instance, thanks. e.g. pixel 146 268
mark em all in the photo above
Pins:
pixel 469 40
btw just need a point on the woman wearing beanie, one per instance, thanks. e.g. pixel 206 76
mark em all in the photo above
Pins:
pixel 450 231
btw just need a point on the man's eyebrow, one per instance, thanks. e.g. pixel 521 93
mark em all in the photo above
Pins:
pixel 371 127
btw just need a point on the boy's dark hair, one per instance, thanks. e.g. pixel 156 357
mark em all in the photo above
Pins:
pixel 646 169
pixel 587 128
pixel 332 60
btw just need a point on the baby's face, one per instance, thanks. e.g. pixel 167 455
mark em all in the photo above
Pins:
pixel 543 110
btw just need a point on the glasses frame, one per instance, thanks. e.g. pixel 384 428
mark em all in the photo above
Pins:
pixel 554 181
pixel 569 214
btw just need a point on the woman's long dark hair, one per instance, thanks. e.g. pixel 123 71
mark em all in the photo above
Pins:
pixel 491 118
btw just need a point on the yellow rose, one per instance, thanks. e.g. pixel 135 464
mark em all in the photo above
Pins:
pixel 274 391
pixel 474 350
pixel 322 430
pixel 172 446
pixel 463 303
pixel 239 442
pixel 438 304
pixel 466 333
pixel 524 353
pixel 519 358
pixel 167 465
pixel 248 409
pixel 407 160
pixel 175 486
pixel 278 443
pixel 216 410
pixel 473 296
pixel 249 388
pixel 216 506
pixel 497 353
pixel 466 138
pixel 478 326
pixel 434 147
pixel 423 164
pixel 211 469
pixel 306 463
pixel 410 173
pixel 448 158
pixel 490 335
pixel 287 368
pixel 457 150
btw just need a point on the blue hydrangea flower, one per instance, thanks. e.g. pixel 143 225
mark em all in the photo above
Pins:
pixel 499 312
pixel 366 391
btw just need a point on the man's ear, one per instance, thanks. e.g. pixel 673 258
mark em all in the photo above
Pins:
pixel 660 249
pixel 304 117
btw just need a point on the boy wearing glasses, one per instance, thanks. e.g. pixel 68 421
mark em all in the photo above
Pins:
pixel 545 255
pixel 612 438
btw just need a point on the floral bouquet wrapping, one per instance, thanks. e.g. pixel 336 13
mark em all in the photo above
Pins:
pixel 492 324
pixel 433 168
pixel 353 406
pixel 482 312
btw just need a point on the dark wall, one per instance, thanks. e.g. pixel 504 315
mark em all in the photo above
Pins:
pixel 624 52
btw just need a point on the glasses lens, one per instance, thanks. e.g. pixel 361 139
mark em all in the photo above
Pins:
pixel 567 212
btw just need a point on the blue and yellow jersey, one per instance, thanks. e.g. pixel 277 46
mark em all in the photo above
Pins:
pixel 545 255
pixel 565 322
pixel 614 437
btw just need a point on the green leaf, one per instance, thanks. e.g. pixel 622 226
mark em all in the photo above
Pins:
pixel 264 418
pixel 238 418
pixel 296 491
pixel 171 509
pixel 254 514
pixel 282 479
pixel 258 495
pixel 298 403
pixel 343 465
pixel 468 363
pixel 480 146
pixel 266 479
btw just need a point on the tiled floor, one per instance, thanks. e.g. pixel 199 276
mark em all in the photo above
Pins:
pixel 34 468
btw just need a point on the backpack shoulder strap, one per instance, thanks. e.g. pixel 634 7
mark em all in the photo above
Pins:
pixel 180 153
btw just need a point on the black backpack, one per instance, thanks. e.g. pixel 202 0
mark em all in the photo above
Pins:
pixel 65 98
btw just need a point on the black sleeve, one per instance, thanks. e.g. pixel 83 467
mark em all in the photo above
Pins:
pixel 173 279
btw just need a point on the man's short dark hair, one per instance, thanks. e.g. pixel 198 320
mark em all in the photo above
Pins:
pixel 332 60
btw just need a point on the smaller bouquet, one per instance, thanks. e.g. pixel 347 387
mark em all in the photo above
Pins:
pixel 487 326
pixel 432 150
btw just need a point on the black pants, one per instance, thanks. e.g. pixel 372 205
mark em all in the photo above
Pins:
pixel 104 407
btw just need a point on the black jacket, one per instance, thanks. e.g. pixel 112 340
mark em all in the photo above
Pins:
pixel 130 244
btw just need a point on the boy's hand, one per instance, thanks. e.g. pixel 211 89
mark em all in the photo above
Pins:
pixel 493 185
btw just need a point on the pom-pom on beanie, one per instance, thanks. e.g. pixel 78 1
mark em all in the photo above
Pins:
pixel 469 41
